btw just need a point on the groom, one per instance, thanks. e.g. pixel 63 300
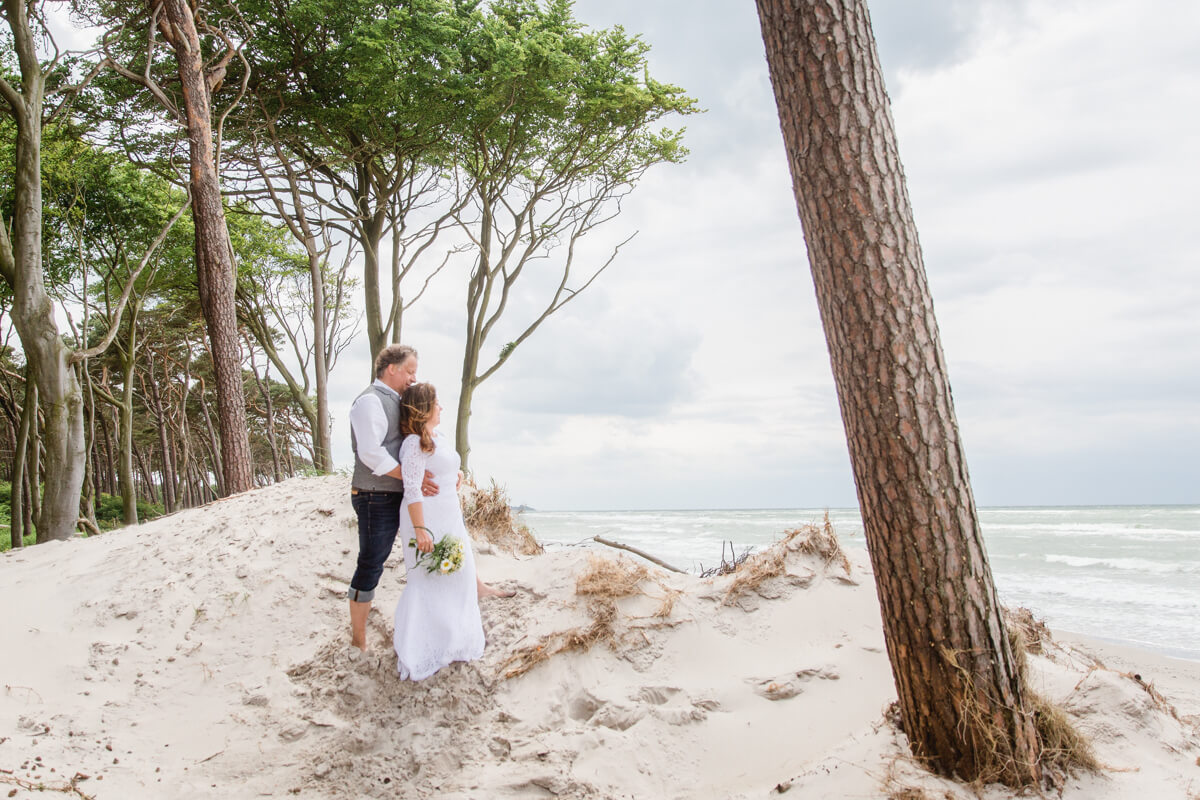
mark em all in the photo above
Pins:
pixel 376 490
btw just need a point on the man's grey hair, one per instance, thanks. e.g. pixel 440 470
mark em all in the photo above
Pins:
pixel 392 354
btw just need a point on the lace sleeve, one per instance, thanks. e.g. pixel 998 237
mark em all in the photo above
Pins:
pixel 412 464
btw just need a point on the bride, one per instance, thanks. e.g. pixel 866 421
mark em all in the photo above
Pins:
pixel 437 618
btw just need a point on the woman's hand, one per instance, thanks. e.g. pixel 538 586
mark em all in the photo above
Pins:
pixel 424 541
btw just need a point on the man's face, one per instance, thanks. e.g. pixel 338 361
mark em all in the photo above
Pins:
pixel 401 376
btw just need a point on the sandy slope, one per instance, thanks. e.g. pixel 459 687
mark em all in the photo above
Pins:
pixel 203 655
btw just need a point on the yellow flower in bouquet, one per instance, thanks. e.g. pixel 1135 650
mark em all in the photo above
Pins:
pixel 446 556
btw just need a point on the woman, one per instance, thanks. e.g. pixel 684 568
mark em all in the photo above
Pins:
pixel 437 618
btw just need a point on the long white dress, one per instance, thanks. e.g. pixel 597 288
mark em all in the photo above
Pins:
pixel 437 618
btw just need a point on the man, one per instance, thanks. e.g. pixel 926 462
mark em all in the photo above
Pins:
pixel 376 490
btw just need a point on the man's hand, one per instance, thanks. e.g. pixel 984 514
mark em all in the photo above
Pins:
pixel 428 487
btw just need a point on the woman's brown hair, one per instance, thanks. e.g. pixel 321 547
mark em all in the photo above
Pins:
pixel 416 407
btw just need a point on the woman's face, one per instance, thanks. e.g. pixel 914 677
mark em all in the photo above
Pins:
pixel 435 416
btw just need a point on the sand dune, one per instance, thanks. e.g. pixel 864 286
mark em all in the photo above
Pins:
pixel 204 655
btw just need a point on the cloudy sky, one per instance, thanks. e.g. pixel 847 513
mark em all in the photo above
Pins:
pixel 1052 155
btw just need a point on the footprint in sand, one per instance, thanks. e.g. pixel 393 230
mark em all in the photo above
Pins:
pixel 791 684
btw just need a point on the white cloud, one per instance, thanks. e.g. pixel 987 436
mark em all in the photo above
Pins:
pixel 1050 151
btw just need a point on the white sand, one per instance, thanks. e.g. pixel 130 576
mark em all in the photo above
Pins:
pixel 204 655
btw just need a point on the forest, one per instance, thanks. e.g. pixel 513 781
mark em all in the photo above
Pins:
pixel 206 205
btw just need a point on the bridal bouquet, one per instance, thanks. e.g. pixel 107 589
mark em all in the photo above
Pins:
pixel 446 556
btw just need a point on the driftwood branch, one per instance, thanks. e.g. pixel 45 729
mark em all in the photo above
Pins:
pixel 638 552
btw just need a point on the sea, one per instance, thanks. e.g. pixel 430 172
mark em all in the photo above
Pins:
pixel 1124 574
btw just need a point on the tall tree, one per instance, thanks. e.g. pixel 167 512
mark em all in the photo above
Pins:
pixel 48 358
pixel 173 56
pixel 296 308
pixel 962 702
pixel 560 124
pixel 358 95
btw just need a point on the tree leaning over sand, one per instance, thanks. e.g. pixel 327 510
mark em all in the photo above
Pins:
pixel 963 704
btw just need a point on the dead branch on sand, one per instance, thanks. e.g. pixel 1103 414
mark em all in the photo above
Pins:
pixel 637 552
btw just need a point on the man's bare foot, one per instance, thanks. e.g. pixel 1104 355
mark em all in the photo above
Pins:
pixel 483 590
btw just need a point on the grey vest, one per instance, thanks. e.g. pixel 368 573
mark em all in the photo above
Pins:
pixel 363 478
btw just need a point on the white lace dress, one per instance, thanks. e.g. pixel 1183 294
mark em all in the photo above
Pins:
pixel 437 618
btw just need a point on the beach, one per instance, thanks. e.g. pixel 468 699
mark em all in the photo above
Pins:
pixel 206 655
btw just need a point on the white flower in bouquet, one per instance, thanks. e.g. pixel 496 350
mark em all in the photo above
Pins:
pixel 446 556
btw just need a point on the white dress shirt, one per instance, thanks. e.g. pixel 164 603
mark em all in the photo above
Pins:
pixel 369 424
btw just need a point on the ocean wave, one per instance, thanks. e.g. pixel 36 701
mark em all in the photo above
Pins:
pixel 1131 564
pixel 1134 531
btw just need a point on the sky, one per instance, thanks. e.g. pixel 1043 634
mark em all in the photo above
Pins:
pixel 1052 153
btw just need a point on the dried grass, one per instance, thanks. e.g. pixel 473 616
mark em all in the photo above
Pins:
pixel 822 542
pixel 602 582
pixel 612 578
pixel 488 516
pixel 1063 750
pixel 1027 633
pixel 604 614
pixel 909 793
pixel 819 541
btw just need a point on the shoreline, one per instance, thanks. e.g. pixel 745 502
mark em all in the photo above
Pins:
pixel 206 656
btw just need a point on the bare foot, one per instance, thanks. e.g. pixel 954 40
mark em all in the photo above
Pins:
pixel 483 590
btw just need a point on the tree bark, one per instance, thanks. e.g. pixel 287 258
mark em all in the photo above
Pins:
pixel 214 445
pixel 371 236
pixel 47 357
pixel 962 703
pixel 214 255
pixel 18 500
pixel 129 493
pixel 322 446
pixel 167 472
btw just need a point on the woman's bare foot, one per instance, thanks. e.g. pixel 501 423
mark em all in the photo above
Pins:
pixel 483 590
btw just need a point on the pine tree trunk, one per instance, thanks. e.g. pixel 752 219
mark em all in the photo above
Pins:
pixel 962 702
pixel 214 256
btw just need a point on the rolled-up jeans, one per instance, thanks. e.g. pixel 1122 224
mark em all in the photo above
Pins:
pixel 378 520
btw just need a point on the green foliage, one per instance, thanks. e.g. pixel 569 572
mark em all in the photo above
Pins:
pixel 353 79
pixel 102 211
pixel 109 514
pixel 547 100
